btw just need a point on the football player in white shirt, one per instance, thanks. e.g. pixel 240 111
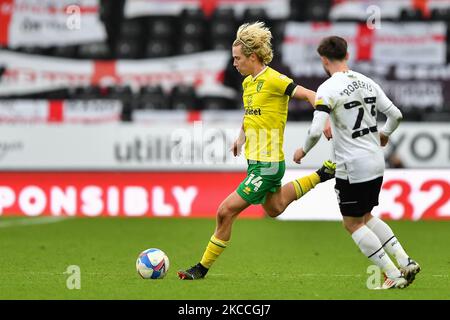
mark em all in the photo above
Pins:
pixel 351 101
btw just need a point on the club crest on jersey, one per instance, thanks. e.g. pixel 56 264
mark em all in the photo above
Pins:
pixel 259 85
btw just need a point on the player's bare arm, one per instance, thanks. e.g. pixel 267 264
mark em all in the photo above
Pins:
pixel 304 94
pixel 239 142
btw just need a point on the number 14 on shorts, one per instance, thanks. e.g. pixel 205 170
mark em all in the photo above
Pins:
pixel 256 181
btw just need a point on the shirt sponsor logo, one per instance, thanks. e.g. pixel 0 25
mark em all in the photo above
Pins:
pixel 253 112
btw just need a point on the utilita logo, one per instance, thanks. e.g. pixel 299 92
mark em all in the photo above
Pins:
pixel 9 147
pixel 148 149
pixel 180 147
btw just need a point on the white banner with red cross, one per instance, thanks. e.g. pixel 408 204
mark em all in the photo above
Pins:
pixel 49 23
pixel 393 43
pixel 30 74
pixel 58 111
pixel 386 9
pixel 134 8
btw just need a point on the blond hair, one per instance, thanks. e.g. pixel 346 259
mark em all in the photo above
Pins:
pixel 255 38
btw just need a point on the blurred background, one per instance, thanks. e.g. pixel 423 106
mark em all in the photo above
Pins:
pixel 95 93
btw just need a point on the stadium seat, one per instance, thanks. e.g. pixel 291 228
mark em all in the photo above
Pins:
pixel 88 92
pixel 192 24
pixel 72 93
pixel 128 48
pixel 226 13
pixel 297 12
pixel 184 97
pixel 255 14
pixel 189 45
pixel 222 28
pixel 119 92
pixel 60 94
pixel 32 50
pixel 277 29
pixel 192 13
pixel 440 14
pixel 152 98
pixel 66 51
pixel 129 43
pixel 131 28
pixel 223 23
pixel 218 103
pixel 192 29
pixel 95 50
pixel 221 43
pixel 160 28
pixel 156 48
pixel 411 15
pixel 318 10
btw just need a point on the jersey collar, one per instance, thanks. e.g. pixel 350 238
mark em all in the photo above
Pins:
pixel 349 71
pixel 260 73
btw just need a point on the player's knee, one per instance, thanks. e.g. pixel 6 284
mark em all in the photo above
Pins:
pixel 272 213
pixel 274 210
pixel 224 212
pixel 352 226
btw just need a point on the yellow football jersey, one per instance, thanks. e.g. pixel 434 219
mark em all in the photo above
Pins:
pixel 266 100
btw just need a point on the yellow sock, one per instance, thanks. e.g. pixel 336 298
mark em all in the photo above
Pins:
pixel 213 250
pixel 304 184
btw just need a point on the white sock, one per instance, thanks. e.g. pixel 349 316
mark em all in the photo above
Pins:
pixel 371 247
pixel 388 240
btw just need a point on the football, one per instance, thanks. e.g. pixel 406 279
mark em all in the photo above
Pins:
pixel 152 264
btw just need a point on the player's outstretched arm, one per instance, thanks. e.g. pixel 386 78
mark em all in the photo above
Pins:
pixel 314 133
pixel 305 94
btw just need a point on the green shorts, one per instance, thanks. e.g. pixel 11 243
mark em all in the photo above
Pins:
pixel 262 177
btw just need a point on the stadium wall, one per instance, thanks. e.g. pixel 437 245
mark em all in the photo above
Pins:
pixel 201 146
pixel 185 169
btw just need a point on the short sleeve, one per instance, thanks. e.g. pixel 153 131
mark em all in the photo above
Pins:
pixel 283 85
pixel 323 100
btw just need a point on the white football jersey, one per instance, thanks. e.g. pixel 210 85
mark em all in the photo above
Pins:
pixel 353 101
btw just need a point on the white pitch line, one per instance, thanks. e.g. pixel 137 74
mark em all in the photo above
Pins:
pixel 335 275
pixel 30 221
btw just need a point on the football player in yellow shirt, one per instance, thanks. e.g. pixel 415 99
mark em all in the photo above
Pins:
pixel 266 94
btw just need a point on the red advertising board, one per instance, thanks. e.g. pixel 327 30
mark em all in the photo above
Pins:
pixel 126 194
pixel 406 195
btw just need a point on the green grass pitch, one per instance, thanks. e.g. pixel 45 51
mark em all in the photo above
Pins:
pixel 266 259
